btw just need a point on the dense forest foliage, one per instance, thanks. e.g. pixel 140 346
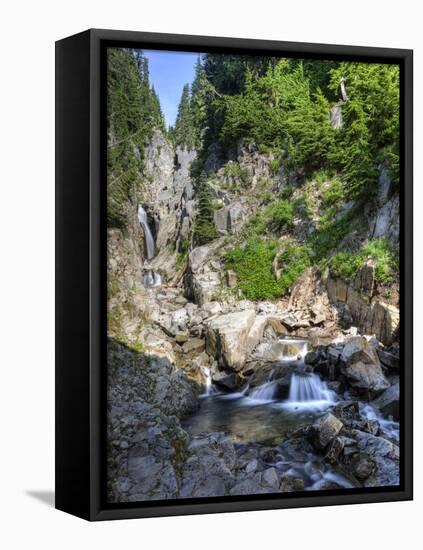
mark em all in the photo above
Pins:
pixel 284 108
pixel 133 111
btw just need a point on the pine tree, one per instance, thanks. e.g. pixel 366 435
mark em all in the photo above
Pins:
pixel 183 134
pixel 200 90
pixel 204 228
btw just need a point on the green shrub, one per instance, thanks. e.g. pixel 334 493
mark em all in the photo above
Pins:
pixel 267 197
pixel 275 165
pixel 280 215
pixel 386 259
pixel 286 192
pixel 334 193
pixel 234 171
pixel 293 261
pixel 303 206
pixel 346 264
pixel 253 265
pixel 255 226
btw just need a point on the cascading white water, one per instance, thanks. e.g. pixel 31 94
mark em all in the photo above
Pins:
pixel 308 391
pixel 389 427
pixel 292 349
pixel 264 392
pixel 209 389
pixel 149 241
pixel 151 278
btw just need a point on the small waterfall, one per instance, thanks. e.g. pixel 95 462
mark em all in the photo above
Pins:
pixel 265 392
pixel 152 279
pixel 292 349
pixel 209 390
pixel 149 241
pixel 308 391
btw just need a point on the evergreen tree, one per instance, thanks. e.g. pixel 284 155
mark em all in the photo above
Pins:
pixel 133 110
pixel 183 134
pixel 204 228
pixel 370 135
pixel 200 91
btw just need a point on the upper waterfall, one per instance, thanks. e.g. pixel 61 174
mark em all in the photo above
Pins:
pixel 149 240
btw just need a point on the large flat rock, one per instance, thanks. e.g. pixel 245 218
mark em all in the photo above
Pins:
pixel 231 337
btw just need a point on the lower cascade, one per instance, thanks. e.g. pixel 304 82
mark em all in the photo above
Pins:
pixel 152 279
pixel 209 389
pixel 308 390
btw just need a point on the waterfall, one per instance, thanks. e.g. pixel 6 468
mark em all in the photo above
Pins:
pixel 308 391
pixel 265 392
pixel 149 241
pixel 209 390
pixel 292 349
pixel 151 278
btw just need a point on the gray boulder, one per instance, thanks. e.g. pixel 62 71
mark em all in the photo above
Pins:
pixel 389 402
pixel 230 338
pixel 361 366
pixel 325 430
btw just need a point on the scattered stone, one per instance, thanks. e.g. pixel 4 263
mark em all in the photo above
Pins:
pixel 231 278
pixel 194 345
pixel 325 430
pixel 389 360
pixel 251 466
pixel 291 484
pixel 180 300
pixel 363 467
pixel 227 381
pixel 181 337
pixel 361 366
pixel 212 308
pixel 311 358
pixel 346 410
pixel 335 449
pixel 229 338
pixel 389 402
pixel 271 478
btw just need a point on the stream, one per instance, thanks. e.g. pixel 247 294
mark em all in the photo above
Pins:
pixel 261 419
pixel 256 418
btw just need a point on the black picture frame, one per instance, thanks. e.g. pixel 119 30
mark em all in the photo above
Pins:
pixel 81 274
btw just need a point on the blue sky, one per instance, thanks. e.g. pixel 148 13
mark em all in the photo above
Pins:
pixel 169 71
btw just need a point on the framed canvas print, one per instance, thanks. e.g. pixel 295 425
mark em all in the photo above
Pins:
pixel 234 274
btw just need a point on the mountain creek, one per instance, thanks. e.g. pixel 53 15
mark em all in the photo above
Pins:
pixel 211 394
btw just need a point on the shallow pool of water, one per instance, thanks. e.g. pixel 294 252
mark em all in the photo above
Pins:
pixel 248 420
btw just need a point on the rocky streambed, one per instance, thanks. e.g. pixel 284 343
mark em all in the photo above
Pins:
pixel 227 399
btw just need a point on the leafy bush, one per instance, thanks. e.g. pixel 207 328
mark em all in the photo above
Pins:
pixel 334 193
pixel 280 215
pixel 234 171
pixel 346 264
pixel 253 265
pixel 370 134
pixel 293 260
pixel 267 197
pixel 204 229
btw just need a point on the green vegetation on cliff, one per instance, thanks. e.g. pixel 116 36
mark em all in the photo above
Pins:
pixel 133 111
